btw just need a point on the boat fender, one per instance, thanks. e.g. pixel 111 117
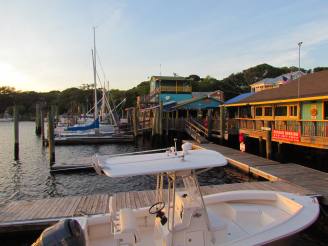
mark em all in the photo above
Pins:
pixel 64 233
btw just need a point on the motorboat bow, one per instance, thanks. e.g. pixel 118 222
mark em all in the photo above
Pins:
pixel 186 217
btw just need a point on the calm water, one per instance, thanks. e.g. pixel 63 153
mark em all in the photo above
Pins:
pixel 29 178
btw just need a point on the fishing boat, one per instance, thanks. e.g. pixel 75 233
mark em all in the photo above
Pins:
pixel 186 217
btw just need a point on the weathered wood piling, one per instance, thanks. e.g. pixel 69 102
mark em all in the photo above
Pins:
pixel 51 138
pixel 43 140
pixel 222 123
pixel 16 133
pixel 37 120
pixel 268 145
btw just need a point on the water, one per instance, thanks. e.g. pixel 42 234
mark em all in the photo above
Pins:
pixel 29 178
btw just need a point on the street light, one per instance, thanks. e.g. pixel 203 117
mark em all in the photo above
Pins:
pixel 299 68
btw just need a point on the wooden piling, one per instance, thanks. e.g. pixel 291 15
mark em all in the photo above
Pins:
pixel 37 120
pixel 16 133
pixel 160 119
pixel 153 121
pixel 222 124
pixel 209 123
pixel 134 122
pixel 167 116
pixel 268 145
pixel 261 146
pixel 51 140
pixel 42 128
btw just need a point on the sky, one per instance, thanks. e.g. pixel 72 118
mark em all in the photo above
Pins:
pixel 46 45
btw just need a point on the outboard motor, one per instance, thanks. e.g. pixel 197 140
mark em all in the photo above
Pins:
pixel 64 233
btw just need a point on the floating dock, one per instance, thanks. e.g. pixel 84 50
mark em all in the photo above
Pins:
pixel 94 140
pixel 74 165
pixel 39 214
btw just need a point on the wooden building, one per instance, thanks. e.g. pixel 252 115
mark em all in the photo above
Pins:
pixel 169 88
pixel 294 113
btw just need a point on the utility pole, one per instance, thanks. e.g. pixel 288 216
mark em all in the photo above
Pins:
pixel 299 68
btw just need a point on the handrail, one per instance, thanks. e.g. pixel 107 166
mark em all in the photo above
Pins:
pixel 307 128
pixel 193 124
pixel 275 119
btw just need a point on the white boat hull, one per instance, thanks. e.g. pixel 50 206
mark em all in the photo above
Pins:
pixel 236 218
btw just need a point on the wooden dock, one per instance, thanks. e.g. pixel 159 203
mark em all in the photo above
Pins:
pixel 75 165
pixel 39 214
pixel 94 140
pixel 308 178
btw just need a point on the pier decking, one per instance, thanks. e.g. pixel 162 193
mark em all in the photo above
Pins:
pixel 308 178
pixel 38 214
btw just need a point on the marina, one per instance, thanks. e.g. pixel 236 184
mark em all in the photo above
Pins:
pixel 137 124
pixel 32 215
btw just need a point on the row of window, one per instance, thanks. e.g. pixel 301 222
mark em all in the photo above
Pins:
pixel 288 110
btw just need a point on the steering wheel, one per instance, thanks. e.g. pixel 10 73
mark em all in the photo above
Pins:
pixel 157 207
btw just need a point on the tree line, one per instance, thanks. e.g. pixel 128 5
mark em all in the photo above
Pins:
pixel 80 100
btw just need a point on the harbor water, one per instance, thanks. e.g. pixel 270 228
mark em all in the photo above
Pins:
pixel 29 178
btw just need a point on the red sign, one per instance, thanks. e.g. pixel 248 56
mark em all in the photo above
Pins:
pixel 286 135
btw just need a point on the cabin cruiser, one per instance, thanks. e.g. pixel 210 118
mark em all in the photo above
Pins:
pixel 186 217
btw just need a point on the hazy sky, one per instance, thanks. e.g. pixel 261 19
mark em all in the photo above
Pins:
pixel 46 45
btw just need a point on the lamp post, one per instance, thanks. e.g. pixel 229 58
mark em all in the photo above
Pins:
pixel 299 68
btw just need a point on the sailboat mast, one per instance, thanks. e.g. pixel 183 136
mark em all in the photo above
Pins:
pixel 95 72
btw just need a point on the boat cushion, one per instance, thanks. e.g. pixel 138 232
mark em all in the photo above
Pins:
pixel 128 220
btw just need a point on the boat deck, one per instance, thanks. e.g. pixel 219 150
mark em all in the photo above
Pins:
pixel 38 214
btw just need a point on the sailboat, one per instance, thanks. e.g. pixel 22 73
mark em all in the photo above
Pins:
pixel 187 217
pixel 95 130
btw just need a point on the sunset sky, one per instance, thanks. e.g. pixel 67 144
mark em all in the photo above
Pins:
pixel 46 45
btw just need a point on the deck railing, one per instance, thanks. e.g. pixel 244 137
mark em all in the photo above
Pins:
pixel 308 128
pixel 175 89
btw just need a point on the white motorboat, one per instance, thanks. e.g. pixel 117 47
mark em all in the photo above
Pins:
pixel 187 218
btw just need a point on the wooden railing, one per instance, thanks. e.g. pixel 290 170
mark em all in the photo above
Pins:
pixel 316 128
pixel 175 88
pixel 195 125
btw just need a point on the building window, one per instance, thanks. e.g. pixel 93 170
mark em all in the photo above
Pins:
pixel 258 111
pixel 280 111
pixel 267 111
pixel 325 110
pixel 293 110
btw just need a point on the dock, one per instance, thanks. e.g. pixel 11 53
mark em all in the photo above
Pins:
pixel 38 214
pixel 79 164
pixel 94 140
pixel 274 171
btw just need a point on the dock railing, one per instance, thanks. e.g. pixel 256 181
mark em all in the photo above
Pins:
pixel 307 128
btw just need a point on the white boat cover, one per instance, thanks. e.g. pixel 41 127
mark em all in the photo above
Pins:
pixel 132 165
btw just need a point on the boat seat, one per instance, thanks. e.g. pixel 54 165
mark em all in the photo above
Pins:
pixel 126 227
